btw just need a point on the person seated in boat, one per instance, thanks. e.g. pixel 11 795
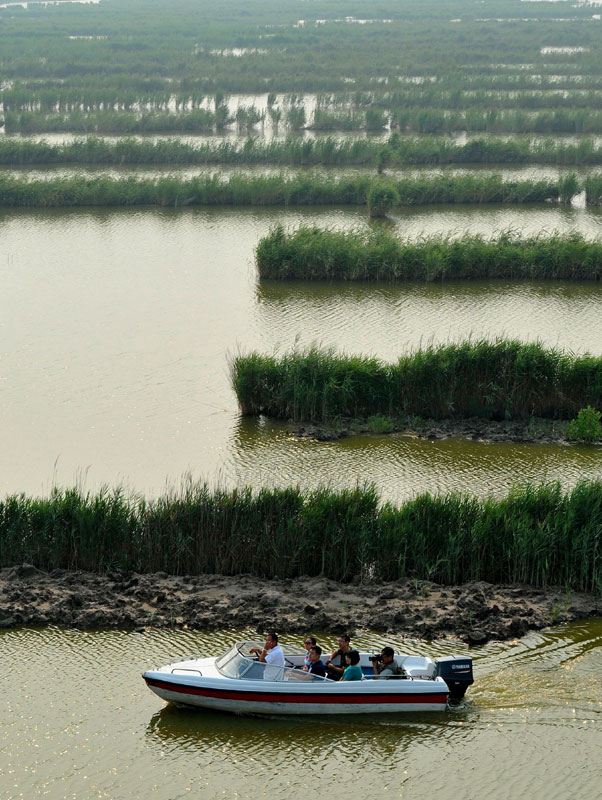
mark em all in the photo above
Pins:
pixel 271 654
pixel 310 641
pixel 353 671
pixel 385 666
pixel 316 666
pixel 335 666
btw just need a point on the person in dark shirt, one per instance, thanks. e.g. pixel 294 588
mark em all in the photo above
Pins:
pixel 317 665
pixel 386 667
pixel 310 641
pixel 335 666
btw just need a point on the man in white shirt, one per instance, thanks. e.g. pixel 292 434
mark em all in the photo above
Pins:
pixel 271 654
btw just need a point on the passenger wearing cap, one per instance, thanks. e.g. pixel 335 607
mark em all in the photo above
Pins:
pixel 386 667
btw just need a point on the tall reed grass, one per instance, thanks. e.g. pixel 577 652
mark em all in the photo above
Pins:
pixel 123 122
pixel 282 190
pixel 397 151
pixel 421 119
pixel 311 253
pixel 540 535
pixel 438 121
pixel 501 379
pixel 362 108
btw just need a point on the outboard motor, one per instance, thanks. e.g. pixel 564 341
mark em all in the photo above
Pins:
pixel 456 671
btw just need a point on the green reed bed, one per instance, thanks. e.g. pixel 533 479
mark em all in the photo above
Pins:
pixel 427 120
pixel 438 119
pixel 282 190
pixel 199 120
pixel 491 150
pixel 397 151
pixel 541 535
pixel 85 97
pixel 461 96
pixel 137 43
pixel 312 253
pixel 239 190
pixel 96 150
pixel 593 189
pixel 497 380
pixel 334 111
pixel 425 190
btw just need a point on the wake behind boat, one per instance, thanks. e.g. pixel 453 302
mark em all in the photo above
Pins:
pixel 238 682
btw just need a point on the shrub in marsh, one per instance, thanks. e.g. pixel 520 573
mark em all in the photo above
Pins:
pixel 380 424
pixel 586 426
pixel 383 159
pixel 295 118
pixel 336 121
pixel 375 120
pixel 382 197
pixel 593 189
pixel 275 115
pixel 568 186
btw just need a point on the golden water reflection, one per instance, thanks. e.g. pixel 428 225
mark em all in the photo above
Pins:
pixel 115 347
pixel 78 722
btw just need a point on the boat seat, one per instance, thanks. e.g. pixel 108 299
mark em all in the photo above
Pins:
pixel 417 667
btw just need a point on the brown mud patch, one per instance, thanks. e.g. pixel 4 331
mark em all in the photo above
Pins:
pixel 475 612
pixel 532 431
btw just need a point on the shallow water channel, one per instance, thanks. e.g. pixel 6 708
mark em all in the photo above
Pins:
pixel 78 722
pixel 520 172
pixel 116 327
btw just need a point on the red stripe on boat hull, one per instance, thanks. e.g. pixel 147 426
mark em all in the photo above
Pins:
pixel 281 697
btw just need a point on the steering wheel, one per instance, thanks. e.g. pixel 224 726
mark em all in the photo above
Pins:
pixel 252 656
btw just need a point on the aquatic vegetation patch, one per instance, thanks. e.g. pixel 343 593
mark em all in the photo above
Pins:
pixel 397 151
pixel 586 426
pixel 499 380
pixel 270 190
pixel 312 253
pixel 537 534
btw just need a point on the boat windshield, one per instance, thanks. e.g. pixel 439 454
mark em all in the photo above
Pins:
pixel 239 664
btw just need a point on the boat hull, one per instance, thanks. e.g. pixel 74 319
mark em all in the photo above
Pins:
pixel 376 699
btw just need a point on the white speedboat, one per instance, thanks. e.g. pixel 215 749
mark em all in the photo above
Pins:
pixel 238 682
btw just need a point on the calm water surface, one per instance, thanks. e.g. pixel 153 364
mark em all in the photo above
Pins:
pixel 507 172
pixel 267 132
pixel 116 329
pixel 78 722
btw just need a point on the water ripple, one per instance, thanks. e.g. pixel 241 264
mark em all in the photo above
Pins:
pixel 79 722
pixel 264 454
pixel 175 294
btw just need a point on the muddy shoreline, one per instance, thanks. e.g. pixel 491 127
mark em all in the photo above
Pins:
pixel 533 431
pixel 475 612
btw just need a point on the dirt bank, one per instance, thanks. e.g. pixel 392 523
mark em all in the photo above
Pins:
pixel 535 430
pixel 475 612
